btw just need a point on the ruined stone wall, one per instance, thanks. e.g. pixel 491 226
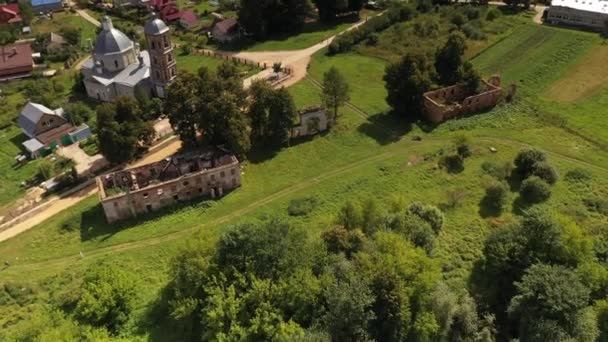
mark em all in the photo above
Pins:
pixel 447 103
pixel 207 183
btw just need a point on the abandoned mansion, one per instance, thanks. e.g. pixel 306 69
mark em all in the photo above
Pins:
pixel 128 193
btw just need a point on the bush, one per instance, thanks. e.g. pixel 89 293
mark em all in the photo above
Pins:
pixel 45 170
pixel 493 14
pixel 500 172
pixel 107 297
pixel 545 172
pixel 578 175
pixel 430 214
pixel 535 190
pixel 496 195
pixel 453 163
pixel 473 32
pixel 301 206
pixel 526 161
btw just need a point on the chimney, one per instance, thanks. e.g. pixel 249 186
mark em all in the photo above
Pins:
pixel 106 23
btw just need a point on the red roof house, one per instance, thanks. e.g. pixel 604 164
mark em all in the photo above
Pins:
pixel 15 61
pixel 10 14
pixel 226 30
pixel 188 19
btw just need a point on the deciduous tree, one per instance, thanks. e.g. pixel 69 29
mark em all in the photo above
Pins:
pixel 335 91
pixel 406 82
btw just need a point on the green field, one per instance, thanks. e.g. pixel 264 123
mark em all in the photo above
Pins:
pixel 369 154
pixel 67 20
pixel 311 34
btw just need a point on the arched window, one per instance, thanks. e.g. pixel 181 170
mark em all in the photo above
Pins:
pixel 116 63
pixel 157 74
pixel 153 46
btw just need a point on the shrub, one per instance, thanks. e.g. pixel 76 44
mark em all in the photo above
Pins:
pixel 458 19
pixel 453 163
pixel 578 175
pixel 496 195
pixel 500 172
pixel 301 206
pixel 492 14
pixel 107 297
pixel 597 204
pixel 526 161
pixel 45 169
pixel 430 214
pixel 473 32
pixel 545 172
pixel 535 190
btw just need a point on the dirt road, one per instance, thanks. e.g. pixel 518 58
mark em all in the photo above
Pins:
pixel 58 204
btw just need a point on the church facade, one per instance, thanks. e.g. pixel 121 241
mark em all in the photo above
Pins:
pixel 118 67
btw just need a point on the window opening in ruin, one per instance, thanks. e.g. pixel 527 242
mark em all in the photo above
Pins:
pixel 149 207
pixel 222 174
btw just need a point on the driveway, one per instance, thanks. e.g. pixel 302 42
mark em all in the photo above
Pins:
pixel 85 164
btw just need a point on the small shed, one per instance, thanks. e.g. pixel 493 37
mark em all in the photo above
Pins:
pixel 33 147
pixel 81 133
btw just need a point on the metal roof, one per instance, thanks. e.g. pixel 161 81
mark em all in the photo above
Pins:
pixel 155 27
pixel 596 6
pixel 131 75
pixel 30 115
pixel 44 2
pixel 110 40
pixel 32 145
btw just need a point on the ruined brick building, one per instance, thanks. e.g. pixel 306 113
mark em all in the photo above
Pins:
pixel 128 193
pixel 447 103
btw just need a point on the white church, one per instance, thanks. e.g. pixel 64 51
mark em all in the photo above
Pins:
pixel 118 66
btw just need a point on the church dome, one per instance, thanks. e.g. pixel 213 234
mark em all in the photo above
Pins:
pixel 155 27
pixel 111 40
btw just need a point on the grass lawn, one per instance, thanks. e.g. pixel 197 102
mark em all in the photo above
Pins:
pixel 311 34
pixel 67 20
pixel 359 159
pixel 193 62
pixel 364 75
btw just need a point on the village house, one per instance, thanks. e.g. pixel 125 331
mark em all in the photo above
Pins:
pixel 45 6
pixel 48 129
pixel 450 102
pixel 10 14
pixel 16 61
pixel 132 192
pixel 590 14
pixel 226 30
pixel 312 120
pixel 117 67
pixel 188 20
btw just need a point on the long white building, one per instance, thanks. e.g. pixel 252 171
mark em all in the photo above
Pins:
pixel 590 14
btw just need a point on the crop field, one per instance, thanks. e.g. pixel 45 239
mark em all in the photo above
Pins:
pixel 369 154
pixel 547 63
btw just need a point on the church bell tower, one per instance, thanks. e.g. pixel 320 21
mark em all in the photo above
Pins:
pixel 162 60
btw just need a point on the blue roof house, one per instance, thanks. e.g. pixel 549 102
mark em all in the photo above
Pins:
pixel 46 5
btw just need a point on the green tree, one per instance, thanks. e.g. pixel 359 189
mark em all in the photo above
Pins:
pixel 27 14
pixel 281 116
pixel 181 104
pixel 535 190
pixel 107 297
pixel 450 58
pixel 335 91
pixel 121 130
pixel 78 113
pixel 260 93
pixel 548 294
pixel 229 125
pixel 329 9
pixel 265 17
pixel 406 82
pixel 349 300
